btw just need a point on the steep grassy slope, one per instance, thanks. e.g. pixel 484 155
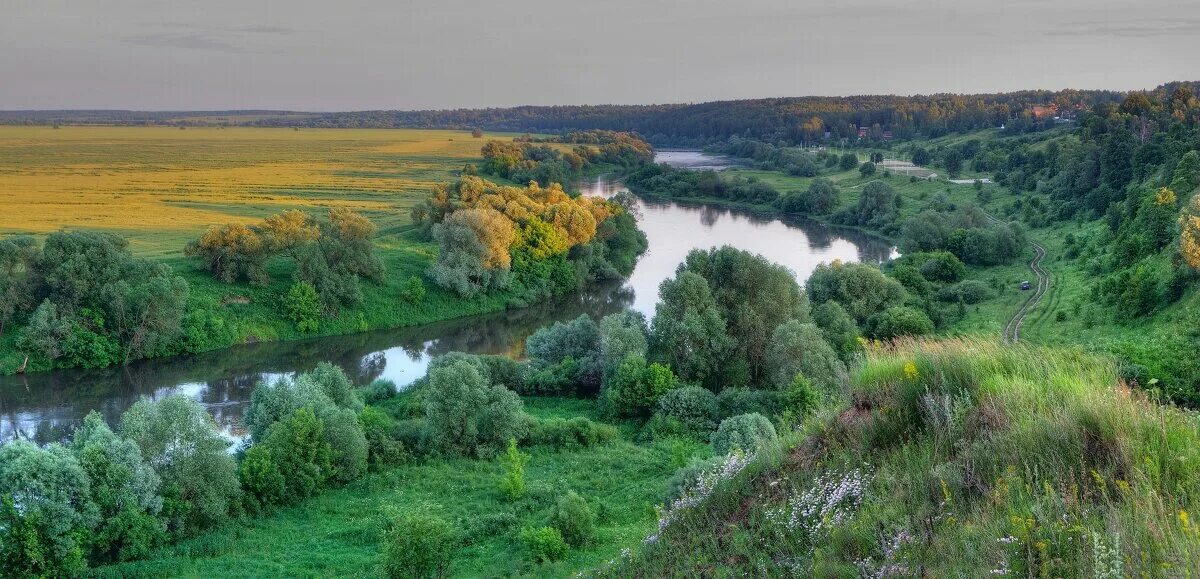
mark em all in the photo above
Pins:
pixel 954 458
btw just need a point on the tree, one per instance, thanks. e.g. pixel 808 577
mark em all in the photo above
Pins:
pixel 124 489
pixel 692 406
pixel 180 440
pixel 467 262
pixel 848 161
pixel 45 510
pixel 687 331
pixel 838 328
pixel 466 414
pixel 298 448
pixel 573 518
pixel 1116 161
pixel 875 208
pixel 232 253
pixel 286 231
pixel 1189 232
pixel 859 288
pixel 622 334
pixel 477 133
pixel 821 196
pixel 867 169
pixel 753 296
pixel 921 157
pixel 953 161
pixel 577 343
pixel 800 349
pixel 303 306
pixel 1186 177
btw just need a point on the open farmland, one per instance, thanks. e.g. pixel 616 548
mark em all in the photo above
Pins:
pixel 162 186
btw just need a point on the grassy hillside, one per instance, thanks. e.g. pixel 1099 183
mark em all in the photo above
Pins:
pixel 954 458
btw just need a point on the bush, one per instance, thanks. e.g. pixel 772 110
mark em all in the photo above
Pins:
pixel 467 415
pixel 413 290
pixel 798 348
pixel 419 545
pixel 302 306
pixel 943 266
pixel 572 432
pixel 298 447
pixel 545 544
pixel 735 401
pixel 686 476
pixel 746 432
pixel 382 447
pixel 900 321
pixel 969 292
pixel 694 407
pixel 45 511
pixel 513 483
pixel 578 340
pixel 634 389
pixel 800 398
pixel 261 479
pixel 378 391
pixel 574 520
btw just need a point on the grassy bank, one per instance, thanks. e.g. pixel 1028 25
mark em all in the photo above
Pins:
pixel 956 458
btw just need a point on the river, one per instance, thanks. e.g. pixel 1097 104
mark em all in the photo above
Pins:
pixel 46 406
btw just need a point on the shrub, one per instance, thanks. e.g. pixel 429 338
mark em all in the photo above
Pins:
pixel 382 447
pixel 260 477
pixel 900 321
pixel 634 388
pixel 419 545
pixel 746 432
pixel 943 266
pixel 545 544
pixel 692 406
pixel 574 520
pixel 513 483
pixel 735 401
pixel 800 398
pixel 413 290
pixel 378 391
pixel 969 292
pixel 467 415
pixel 572 432
pixel 686 476
pixel 298 447
pixel 302 306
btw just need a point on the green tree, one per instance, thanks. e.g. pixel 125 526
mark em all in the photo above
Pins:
pixel 466 414
pixel 848 161
pixel 300 451
pixel 688 332
pixel 45 511
pixel 860 289
pixel 125 490
pixel 634 389
pixel 898 321
pixel 513 483
pixel 800 348
pixel 180 440
pixel 621 335
pixel 303 307
pixel 867 169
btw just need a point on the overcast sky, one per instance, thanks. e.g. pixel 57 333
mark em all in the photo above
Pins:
pixel 326 55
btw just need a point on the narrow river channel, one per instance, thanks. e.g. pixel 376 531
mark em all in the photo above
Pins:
pixel 46 406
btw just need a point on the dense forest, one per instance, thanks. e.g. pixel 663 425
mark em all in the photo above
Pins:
pixel 793 119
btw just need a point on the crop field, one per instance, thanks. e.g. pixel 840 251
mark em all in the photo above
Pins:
pixel 162 186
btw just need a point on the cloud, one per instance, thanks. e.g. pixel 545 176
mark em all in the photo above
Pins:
pixel 1133 28
pixel 216 38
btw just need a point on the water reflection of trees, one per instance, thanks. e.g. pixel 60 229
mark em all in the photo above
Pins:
pixel 45 406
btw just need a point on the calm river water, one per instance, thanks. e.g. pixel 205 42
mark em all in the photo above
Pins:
pixel 47 406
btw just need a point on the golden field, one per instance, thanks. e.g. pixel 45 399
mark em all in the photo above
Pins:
pixel 161 186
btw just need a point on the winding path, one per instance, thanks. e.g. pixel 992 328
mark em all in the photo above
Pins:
pixel 1012 330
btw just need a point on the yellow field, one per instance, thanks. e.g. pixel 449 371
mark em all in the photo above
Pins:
pixel 161 186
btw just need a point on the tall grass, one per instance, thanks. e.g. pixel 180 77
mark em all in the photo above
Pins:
pixel 960 458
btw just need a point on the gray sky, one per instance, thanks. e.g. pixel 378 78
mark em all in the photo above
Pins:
pixel 408 54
